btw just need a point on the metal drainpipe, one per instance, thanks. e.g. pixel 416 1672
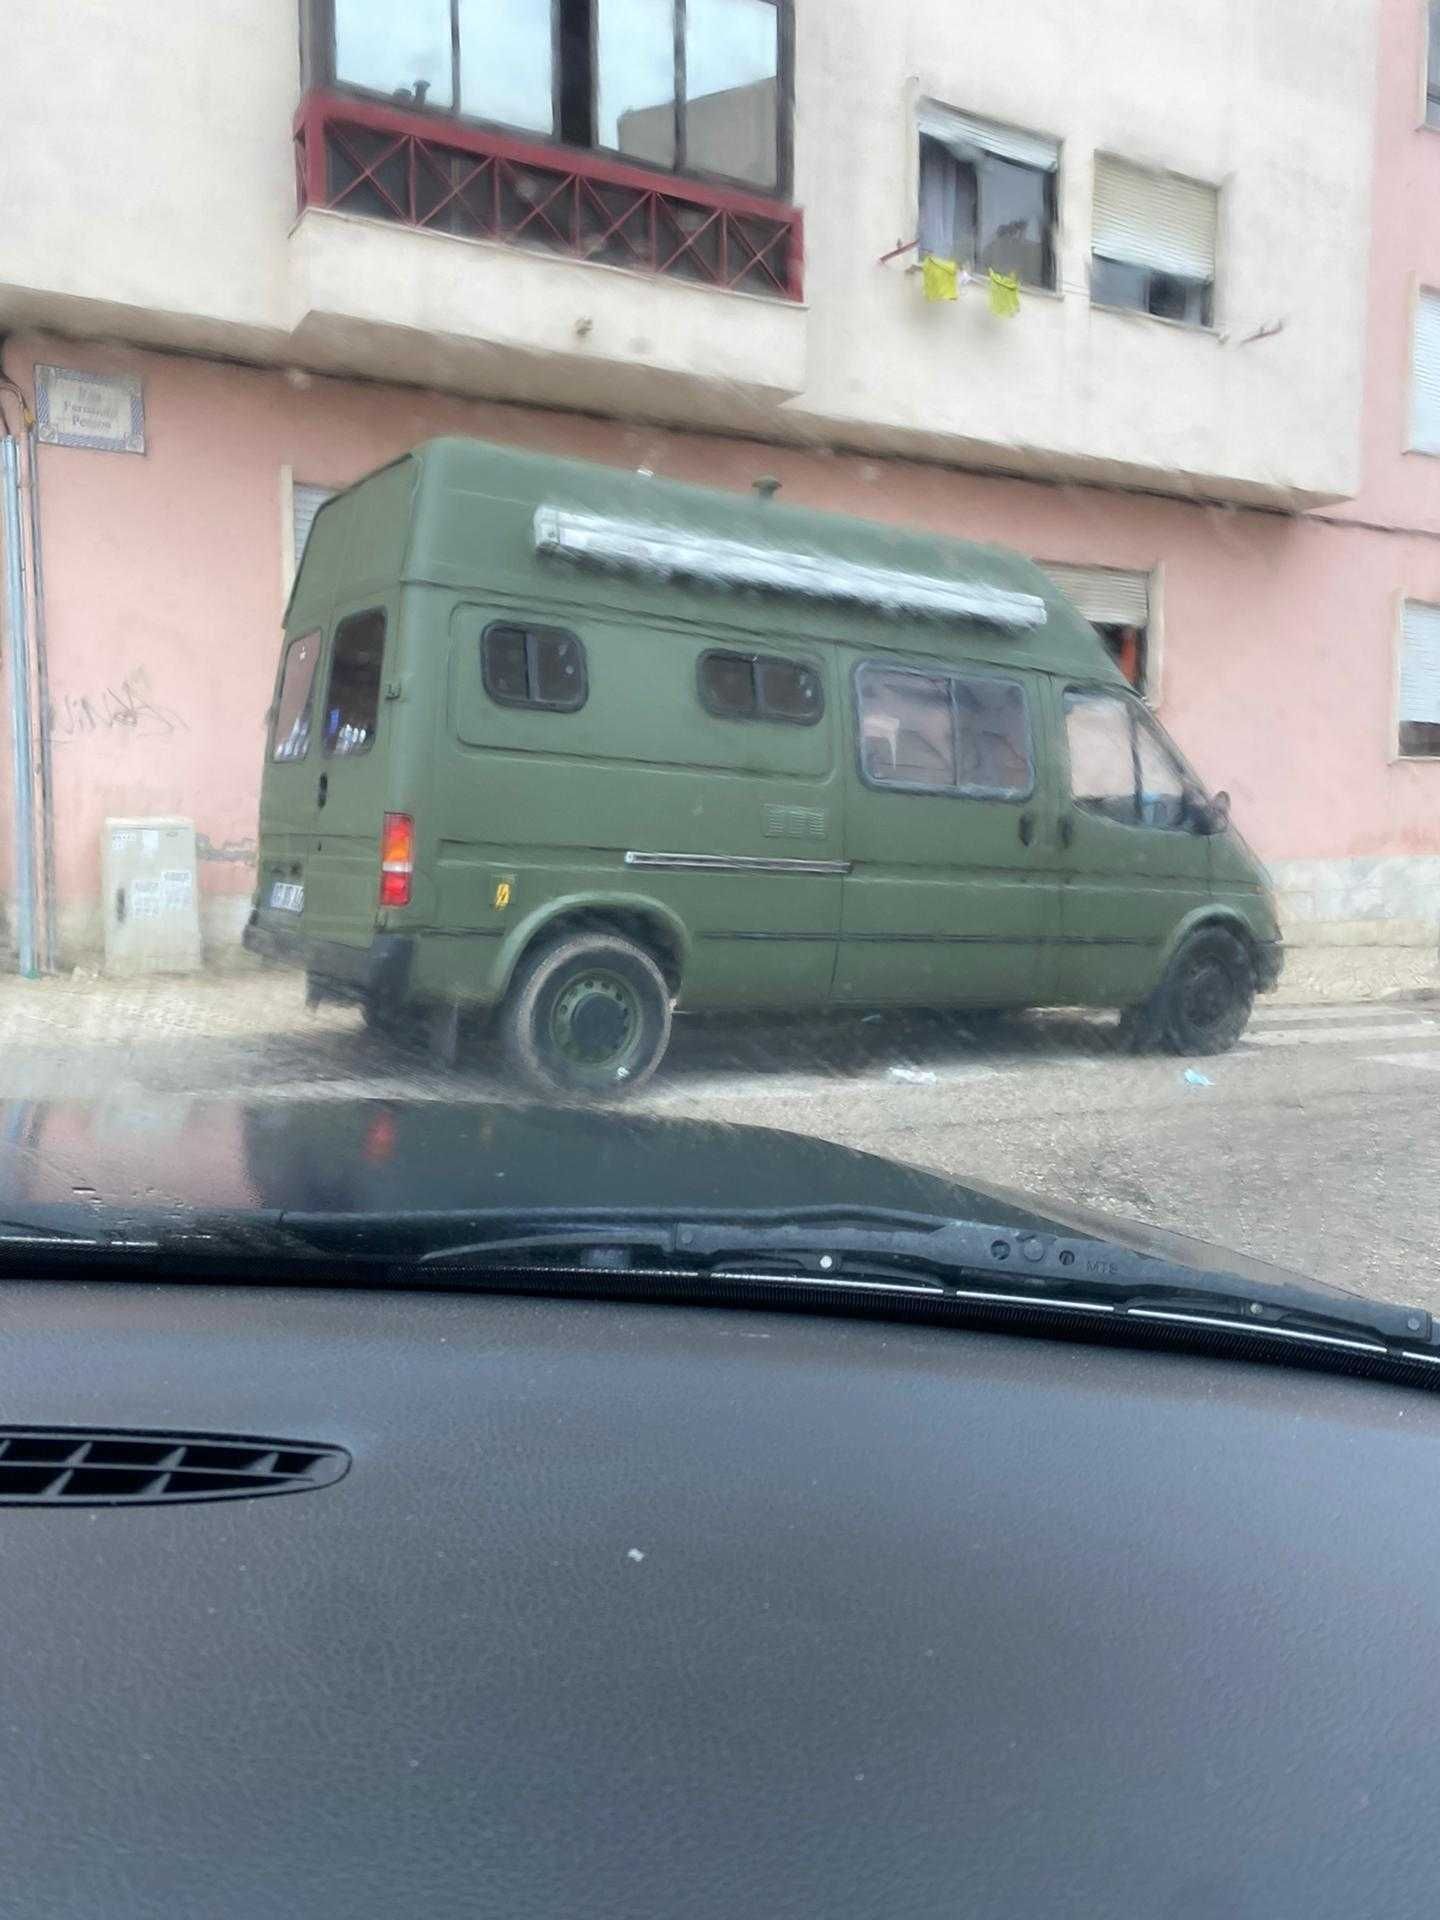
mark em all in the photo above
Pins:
pixel 42 697
pixel 22 763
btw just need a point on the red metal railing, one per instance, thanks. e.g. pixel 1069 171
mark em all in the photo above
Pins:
pixel 363 157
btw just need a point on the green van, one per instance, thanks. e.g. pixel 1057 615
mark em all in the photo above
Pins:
pixel 583 746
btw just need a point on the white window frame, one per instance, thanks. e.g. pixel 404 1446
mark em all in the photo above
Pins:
pixel 289 559
pixel 1419 294
pixel 1216 189
pixel 921 96
pixel 1426 118
pixel 1153 577
pixel 1397 755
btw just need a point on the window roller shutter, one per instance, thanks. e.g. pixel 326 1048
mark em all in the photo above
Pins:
pixel 966 137
pixel 1106 595
pixel 1154 220
pixel 1425 376
pixel 306 502
pixel 1420 664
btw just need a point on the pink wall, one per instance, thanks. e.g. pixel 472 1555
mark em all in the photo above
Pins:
pixel 1399 489
pixel 163 577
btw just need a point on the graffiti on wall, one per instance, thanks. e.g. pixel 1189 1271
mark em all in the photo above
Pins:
pixel 240 853
pixel 127 706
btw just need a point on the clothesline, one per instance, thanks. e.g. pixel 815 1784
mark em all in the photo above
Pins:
pixel 1010 288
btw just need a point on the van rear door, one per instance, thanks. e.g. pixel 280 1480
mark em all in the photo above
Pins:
pixel 348 767
pixel 287 789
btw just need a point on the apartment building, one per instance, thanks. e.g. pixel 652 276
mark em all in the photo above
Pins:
pixel 1191 361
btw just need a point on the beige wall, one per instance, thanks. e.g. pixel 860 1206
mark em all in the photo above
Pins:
pixel 1271 100
pixel 148 192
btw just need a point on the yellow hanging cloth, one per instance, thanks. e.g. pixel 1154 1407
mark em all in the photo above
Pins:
pixel 1004 295
pixel 939 277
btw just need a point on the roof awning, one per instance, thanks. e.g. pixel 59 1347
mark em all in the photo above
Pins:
pixel 667 553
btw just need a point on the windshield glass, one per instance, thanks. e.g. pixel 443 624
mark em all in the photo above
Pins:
pixel 718 564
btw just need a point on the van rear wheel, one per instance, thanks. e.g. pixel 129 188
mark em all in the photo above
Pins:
pixel 588 1014
pixel 1203 1004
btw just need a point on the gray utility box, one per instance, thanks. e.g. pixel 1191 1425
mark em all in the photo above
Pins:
pixel 152 915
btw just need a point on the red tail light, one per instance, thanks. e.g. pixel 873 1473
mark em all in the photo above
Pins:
pixel 397 859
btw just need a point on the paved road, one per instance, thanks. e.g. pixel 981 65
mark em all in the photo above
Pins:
pixel 1315 1143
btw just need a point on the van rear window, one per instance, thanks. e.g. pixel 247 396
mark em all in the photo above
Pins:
pixel 352 704
pixel 292 707
pixel 757 686
pixel 533 667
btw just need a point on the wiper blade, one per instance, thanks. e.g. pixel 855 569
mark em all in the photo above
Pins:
pixel 873 1250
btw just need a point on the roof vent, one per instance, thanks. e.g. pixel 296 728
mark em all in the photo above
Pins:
pixel 86 1467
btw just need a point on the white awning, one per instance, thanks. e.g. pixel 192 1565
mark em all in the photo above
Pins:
pixel 1110 596
pixel 632 546
pixel 1155 220
pixel 967 137
pixel 1420 664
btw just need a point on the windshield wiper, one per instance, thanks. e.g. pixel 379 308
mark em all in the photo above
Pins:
pixel 869 1250
pixel 1012 1264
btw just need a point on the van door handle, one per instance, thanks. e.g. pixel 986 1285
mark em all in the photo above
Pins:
pixel 1027 829
pixel 1067 829
pixel 322 791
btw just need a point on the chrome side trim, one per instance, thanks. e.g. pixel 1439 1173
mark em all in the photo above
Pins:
pixel 671 553
pixel 733 863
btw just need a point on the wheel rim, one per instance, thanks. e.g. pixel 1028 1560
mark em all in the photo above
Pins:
pixel 595 1022
pixel 1207 994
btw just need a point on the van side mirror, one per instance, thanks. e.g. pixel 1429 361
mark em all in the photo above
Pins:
pixel 1212 815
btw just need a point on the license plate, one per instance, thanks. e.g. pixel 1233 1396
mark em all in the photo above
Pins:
pixel 287 897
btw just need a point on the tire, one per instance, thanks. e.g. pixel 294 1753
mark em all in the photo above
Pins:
pixel 1203 1004
pixel 589 1014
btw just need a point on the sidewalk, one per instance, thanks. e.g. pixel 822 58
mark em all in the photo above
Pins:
pixel 1356 976
pixel 81 1007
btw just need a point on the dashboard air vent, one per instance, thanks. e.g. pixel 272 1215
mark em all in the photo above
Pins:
pixel 86 1467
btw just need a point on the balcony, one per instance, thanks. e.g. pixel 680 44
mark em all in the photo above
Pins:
pixel 446 254
pixel 358 157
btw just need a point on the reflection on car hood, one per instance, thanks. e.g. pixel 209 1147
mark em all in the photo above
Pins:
pixel 157 1160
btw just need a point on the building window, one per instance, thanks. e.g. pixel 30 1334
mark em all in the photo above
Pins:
pixel 945 733
pixel 1419 705
pixel 1425 374
pixel 1153 247
pixel 1432 67
pixel 533 667
pixel 1117 605
pixel 987 195
pixel 305 502
pixel 691 86
pixel 754 686
pixel 352 704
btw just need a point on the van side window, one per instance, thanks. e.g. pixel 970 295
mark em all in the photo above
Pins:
pixel 533 667
pixel 757 686
pixel 994 731
pixel 946 732
pixel 291 735
pixel 1120 767
pixel 352 703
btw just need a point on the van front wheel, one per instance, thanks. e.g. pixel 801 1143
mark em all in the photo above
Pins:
pixel 590 1014
pixel 1203 1004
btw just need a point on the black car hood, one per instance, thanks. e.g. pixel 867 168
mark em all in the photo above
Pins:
pixel 143 1163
